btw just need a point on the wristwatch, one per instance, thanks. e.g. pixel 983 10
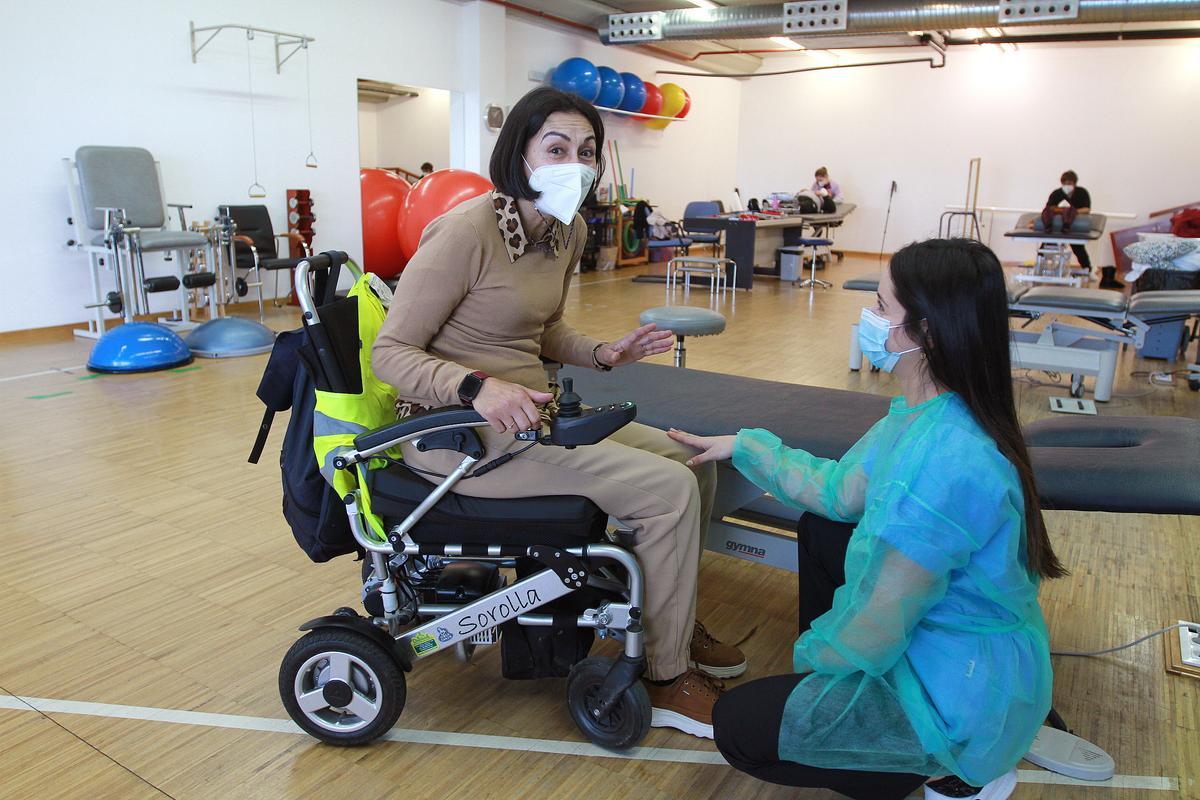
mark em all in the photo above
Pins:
pixel 596 359
pixel 468 390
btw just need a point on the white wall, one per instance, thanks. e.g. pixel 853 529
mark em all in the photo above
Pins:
pixel 368 135
pixel 690 160
pixel 407 132
pixel 83 73
pixel 1124 116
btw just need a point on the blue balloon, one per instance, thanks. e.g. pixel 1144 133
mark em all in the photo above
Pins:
pixel 635 92
pixel 577 76
pixel 612 88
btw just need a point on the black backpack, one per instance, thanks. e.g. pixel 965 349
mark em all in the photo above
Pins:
pixel 315 513
pixel 806 204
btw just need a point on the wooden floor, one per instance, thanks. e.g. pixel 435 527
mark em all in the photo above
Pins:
pixel 146 564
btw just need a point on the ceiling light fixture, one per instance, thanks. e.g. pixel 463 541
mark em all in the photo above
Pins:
pixel 703 3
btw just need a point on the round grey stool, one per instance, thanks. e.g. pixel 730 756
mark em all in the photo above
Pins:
pixel 684 321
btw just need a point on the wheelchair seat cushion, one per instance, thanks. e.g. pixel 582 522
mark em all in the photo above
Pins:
pixel 557 521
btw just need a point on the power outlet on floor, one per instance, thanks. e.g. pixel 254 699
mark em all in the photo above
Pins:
pixel 1189 644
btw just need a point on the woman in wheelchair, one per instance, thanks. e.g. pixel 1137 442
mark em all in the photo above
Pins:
pixel 923 650
pixel 478 304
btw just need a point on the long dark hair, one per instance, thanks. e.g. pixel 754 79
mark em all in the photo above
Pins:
pixel 507 169
pixel 956 305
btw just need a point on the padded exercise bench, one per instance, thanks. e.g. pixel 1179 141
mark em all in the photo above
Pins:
pixel 1052 264
pixel 1077 351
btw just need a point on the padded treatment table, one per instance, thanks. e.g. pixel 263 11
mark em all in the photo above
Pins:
pixel 1121 320
pixel 1053 254
pixel 1058 347
pixel 1024 229
pixel 1116 464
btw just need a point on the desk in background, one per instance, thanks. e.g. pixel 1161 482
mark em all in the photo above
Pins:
pixel 752 238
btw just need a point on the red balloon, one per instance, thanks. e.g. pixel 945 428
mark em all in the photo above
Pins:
pixel 383 196
pixel 687 105
pixel 434 195
pixel 653 102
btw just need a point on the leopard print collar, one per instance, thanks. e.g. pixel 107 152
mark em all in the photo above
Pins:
pixel 516 242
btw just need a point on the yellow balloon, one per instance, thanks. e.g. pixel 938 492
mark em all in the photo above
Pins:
pixel 673 99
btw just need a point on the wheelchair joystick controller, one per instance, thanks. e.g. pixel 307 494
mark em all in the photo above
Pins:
pixel 575 425
pixel 569 404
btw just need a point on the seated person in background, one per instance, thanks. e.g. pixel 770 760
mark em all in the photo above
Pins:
pixel 426 169
pixel 923 649
pixel 827 191
pixel 1069 201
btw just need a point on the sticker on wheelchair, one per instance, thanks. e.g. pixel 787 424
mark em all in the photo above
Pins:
pixel 444 635
pixel 423 642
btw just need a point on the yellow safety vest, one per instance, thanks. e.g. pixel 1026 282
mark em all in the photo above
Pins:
pixel 339 417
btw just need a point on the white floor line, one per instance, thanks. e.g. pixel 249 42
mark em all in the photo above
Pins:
pixel 43 372
pixel 486 741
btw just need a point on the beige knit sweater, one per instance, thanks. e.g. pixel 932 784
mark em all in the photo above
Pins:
pixel 462 305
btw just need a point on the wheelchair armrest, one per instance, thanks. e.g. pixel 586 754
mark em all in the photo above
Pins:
pixel 296 239
pixel 425 422
pixel 246 240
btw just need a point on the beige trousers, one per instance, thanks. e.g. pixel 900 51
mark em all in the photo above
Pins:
pixel 636 475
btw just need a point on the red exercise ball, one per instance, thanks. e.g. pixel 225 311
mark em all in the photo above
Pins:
pixel 654 99
pixel 434 195
pixel 383 196
pixel 687 105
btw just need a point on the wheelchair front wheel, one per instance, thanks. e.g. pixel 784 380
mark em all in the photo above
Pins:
pixel 625 724
pixel 340 687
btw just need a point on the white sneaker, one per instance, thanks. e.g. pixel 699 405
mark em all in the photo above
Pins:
pixel 953 788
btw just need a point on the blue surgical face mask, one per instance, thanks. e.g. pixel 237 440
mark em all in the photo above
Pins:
pixel 873 331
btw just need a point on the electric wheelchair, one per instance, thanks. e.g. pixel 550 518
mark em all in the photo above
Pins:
pixel 432 575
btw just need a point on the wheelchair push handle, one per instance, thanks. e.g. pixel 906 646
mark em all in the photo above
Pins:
pixel 330 261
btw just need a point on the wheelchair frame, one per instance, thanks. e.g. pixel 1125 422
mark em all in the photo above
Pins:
pixel 333 681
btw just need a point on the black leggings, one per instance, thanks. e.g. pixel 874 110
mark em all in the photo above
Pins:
pixel 746 719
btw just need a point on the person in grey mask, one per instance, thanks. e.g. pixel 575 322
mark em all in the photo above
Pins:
pixel 481 299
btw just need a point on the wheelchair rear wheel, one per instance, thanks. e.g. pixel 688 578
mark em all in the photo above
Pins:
pixel 625 724
pixel 341 687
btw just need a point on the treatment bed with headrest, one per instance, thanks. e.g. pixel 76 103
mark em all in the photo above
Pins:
pixel 1053 262
pixel 1116 464
pixel 1120 319
pixel 1075 458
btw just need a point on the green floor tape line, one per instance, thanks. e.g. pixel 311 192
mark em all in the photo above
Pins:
pixel 91 377
pixel 47 396
pixel 187 369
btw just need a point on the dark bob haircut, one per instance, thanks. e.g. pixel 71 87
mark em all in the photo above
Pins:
pixel 507 168
pixel 1069 177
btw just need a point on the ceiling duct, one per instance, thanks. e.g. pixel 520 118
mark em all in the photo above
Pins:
pixel 879 16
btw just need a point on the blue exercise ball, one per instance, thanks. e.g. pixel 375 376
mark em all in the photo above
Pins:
pixel 612 88
pixel 577 76
pixel 635 92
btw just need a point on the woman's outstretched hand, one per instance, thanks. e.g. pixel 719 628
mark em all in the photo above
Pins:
pixel 712 448
pixel 635 345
